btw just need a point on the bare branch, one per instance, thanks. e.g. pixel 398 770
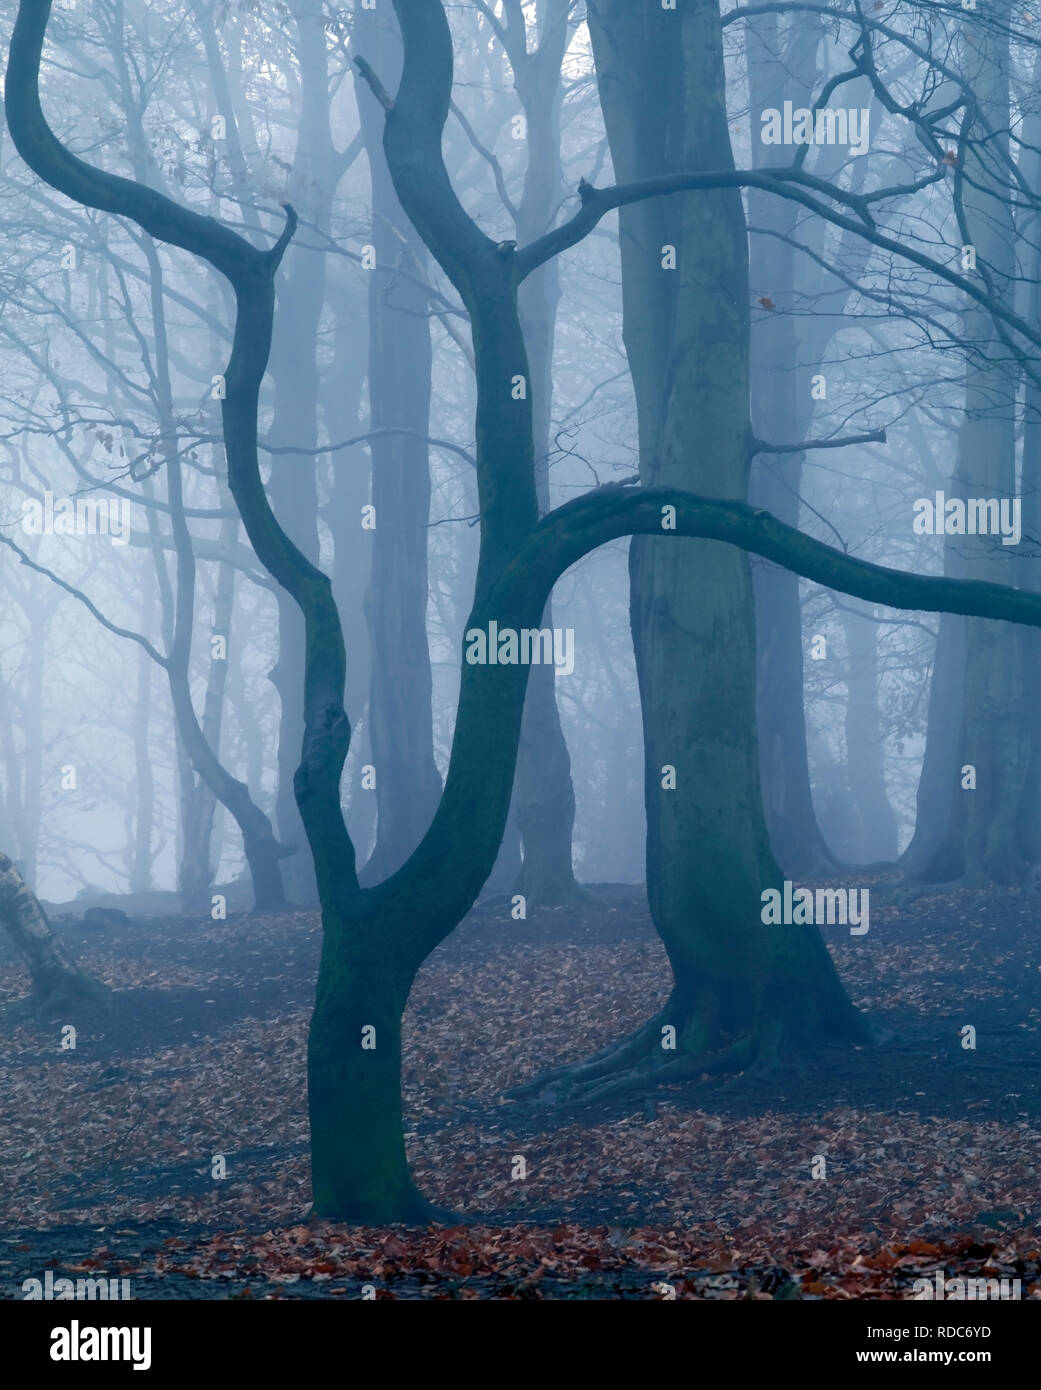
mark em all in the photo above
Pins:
pixel 839 441
pixel 91 608
pixel 378 90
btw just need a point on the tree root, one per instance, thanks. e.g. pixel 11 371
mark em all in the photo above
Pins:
pixel 631 1067
pixel 70 995
pixel 420 1212
pixel 608 1059
pixel 652 1073
pixel 409 1208
pixel 637 1066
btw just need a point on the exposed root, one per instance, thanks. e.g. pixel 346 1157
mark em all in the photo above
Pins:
pixel 609 1059
pixel 880 1034
pixel 444 1216
pixel 652 1073
pixel 634 1065
pixel 637 1065
pixel 764 1069
pixel 420 1212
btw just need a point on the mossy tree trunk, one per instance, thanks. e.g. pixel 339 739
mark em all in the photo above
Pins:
pixel 742 992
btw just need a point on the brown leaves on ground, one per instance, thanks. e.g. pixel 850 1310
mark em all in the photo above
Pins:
pixel 566 1261
pixel 932 1153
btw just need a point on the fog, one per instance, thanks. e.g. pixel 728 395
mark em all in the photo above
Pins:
pixel 565 467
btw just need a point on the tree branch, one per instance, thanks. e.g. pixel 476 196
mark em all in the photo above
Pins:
pixel 838 441
pixel 378 90
pixel 92 187
pixel 81 597
pixel 571 531
pixel 786 183
pixel 251 273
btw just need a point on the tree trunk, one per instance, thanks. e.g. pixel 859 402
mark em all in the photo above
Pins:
pixel 740 992
pixel 979 711
pixel 1028 568
pixel 294 371
pixel 781 65
pixel 349 475
pixel 144 782
pixel 358 1164
pixel 59 988
pixel 543 793
pixel 865 764
pixel 197 879
pixel 401 732
pixel 29 826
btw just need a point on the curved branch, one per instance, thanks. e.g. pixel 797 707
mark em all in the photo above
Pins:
pixel 412 141
pixel 476 797
pixel 251 273
pixel 598 202
pixel 47 156
pixel 571 531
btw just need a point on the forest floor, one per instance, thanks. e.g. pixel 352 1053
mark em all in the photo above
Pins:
pixel 933 1151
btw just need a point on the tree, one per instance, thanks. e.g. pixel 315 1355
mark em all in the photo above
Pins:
pixel 203 778
pixel 375 939
pixel 738 996
pixel 59 987
pixel 400 719
pixel 978 711
pixel 544 797
pixel 781 54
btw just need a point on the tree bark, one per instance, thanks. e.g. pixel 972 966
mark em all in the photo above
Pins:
pixel 59 988
pixel 295 376
pixel 144 781
pixel 349 475
pixel 781 66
